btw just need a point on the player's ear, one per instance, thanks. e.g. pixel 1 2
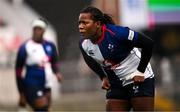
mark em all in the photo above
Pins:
pixel 98 24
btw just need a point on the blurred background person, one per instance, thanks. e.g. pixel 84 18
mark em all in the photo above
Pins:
pixel 40 58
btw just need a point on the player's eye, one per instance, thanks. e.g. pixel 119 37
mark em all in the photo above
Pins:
pixel 79 22
pixel 82 22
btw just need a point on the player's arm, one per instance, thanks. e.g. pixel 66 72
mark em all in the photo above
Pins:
pixel 139 40
pixel 146 45
pixel 20 61
pixel 55 63
pixel 93 64
pixel 19 64
pixel 136 39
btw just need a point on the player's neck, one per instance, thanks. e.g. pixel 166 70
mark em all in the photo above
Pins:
pixel 97 35
pixel 37 40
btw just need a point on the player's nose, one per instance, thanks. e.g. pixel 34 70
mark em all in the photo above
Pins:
pixel 81 29
pixel 81 26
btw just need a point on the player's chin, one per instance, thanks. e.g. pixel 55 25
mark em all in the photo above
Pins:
pixel 82 34
pixel 85 36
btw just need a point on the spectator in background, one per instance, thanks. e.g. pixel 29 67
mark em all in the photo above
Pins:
pixel 111 51
pixel 41 60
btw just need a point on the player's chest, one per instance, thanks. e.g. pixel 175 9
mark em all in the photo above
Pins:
pixel 103 51
pixel 38 52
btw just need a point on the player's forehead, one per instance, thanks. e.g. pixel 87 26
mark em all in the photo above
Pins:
pixel 85 16
pixel 37 28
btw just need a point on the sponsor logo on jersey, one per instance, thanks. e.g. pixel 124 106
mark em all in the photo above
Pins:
pixel 91 52
pixel 131 35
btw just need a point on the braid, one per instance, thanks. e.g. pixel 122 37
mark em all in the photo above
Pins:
pixel 97 15
pixel 107 19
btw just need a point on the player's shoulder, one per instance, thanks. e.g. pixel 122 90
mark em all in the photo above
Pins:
pixel 47 42
pixel 120 32
pixel 81 41
pixel 22 47
pixel 23 44
pixel 116 28
pixel 85 43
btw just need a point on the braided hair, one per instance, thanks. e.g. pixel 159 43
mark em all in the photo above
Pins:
pixel 98 15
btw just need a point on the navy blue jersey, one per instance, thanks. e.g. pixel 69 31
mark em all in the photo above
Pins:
pixel 115 53
pixel 39 59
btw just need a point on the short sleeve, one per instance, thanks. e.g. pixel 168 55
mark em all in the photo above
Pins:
pixel 126 34
pixel 21 57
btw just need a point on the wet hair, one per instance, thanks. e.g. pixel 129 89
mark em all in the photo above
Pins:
pixel 98 15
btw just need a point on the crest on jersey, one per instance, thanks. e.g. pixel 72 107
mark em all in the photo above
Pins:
pixel 111 47
pixel 136 88
pixel 48 48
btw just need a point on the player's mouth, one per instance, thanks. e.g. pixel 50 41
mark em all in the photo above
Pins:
pixel 83 33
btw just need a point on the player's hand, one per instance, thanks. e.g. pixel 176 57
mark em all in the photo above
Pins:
pixel 22 100
pixel 59 77
pixel 105 83
pixel 138 79
pixel 136 76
